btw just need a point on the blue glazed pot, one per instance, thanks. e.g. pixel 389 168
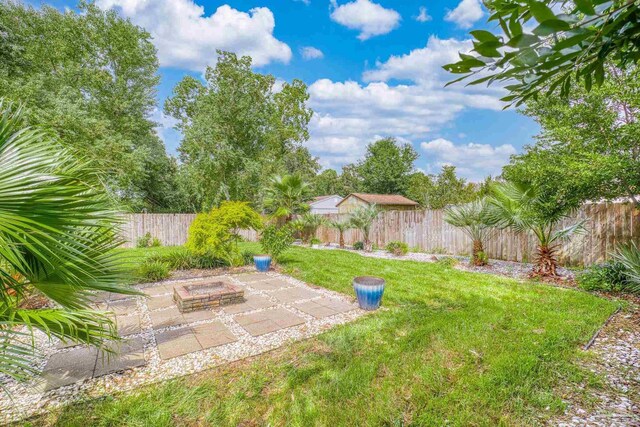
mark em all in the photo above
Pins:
pixel 369 291
pixel 262 262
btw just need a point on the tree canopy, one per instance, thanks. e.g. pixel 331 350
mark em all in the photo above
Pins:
pixel 90 77
pixel 386 167
pixel 238 130
pixel 544 46
pixel 588 147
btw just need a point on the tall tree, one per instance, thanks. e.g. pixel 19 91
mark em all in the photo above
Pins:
pixel 448 189
pixel 569 41
pixel 419 187
pixel 386 167
pixel 91 77
pixel 237 130
pixel 327 182
pixel 588 148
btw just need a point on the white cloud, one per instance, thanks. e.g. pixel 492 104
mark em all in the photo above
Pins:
pixel 310 52
pixel 371 19
pixel 423 16
pixel 186 38
pixel 351 114
pixel 472 161
pixel 466 13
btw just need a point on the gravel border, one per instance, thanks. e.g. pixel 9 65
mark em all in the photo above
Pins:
pixel 29 399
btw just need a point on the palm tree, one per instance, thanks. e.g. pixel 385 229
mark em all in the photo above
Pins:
pixel 473 219
pixel 523 208
pixel 361 219
pixel 341 226
pixel 57 236
pixel 309 224
pixel 286 196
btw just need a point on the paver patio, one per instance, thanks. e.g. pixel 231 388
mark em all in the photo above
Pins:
pixel 155 332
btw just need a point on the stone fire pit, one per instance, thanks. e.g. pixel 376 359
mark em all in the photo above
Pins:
pixel 201 296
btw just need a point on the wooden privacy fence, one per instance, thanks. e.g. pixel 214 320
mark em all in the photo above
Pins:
pixel 171 229
pixel 607 225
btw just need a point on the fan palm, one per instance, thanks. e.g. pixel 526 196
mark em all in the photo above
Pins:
pixel 309 224
pixel 57 237
pixel 341 227
pixel 362 219
pixel 629 255
pixel 286 196
pixel 522 208
pixel 473 219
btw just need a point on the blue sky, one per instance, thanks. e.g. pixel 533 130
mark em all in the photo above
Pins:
pixel 373 68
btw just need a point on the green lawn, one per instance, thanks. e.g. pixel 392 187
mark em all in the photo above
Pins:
pixel 451 348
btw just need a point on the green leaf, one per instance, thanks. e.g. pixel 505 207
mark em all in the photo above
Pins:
pixel 551 26
pixel 523 40
pixel 488 49
pixel 540 11
pixel 484 36
pixel 585 7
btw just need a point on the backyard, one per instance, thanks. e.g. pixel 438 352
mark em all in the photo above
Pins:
pixel 449 347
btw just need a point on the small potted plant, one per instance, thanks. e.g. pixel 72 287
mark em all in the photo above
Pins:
pixel 369 291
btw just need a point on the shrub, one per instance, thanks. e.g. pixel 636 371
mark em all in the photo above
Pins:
pixel 156 243
pixel 358 246
pixel 308 225
pixel 144 241
pixel 247 257
pixel 607 277
pixel 629 256
pixel 315 241
pixel 215 234
pixel 153 271
pixel 447 262
pixel 275 240
pixel 482 258
pixel 183 259
pixel 397 248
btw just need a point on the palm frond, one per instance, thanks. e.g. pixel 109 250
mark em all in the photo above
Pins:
pixel 629 255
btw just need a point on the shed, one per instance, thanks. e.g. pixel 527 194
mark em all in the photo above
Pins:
pixel 325 204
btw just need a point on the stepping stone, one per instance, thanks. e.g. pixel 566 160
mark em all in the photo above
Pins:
pixel 69 367
pixel 294 294
pixel 128 354
pixel 324 307
pixel 118 297
pixel 128 325
pixel 268 321
pixel 122 308
pixel 165 318
pixel 270 285
pixel 252 302
pixel 177 342
pixel 251 277
pixel 213 334
pixel 196 316
pixel 162 301
pixel 158 290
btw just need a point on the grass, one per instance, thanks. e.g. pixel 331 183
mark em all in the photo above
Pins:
pixel 452 348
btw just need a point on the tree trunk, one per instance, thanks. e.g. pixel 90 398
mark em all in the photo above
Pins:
pixel 546 262
pixel 368 247
pixel 476 258
pixel 341 240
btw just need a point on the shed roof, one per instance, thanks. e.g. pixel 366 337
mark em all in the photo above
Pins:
pixel 382 199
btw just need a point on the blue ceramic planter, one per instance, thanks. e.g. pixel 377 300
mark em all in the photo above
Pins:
pixel 369 291
pixel 262 262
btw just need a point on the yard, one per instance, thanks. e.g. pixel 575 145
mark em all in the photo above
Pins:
pixel 450 347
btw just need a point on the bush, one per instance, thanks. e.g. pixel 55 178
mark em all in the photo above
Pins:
pixel 144 241
pixel 629 256
pixel 397 248
pixel 316 241
pixel 447 262
pixel 183 259
pixel 156 243
pixel 276 240
pixel 247 257
pixel 358 246
pixel 482 258
pixel 215 234
pixel 153 271
pixel 607 277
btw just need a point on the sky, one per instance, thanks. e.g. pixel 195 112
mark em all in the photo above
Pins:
pixel 373 69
